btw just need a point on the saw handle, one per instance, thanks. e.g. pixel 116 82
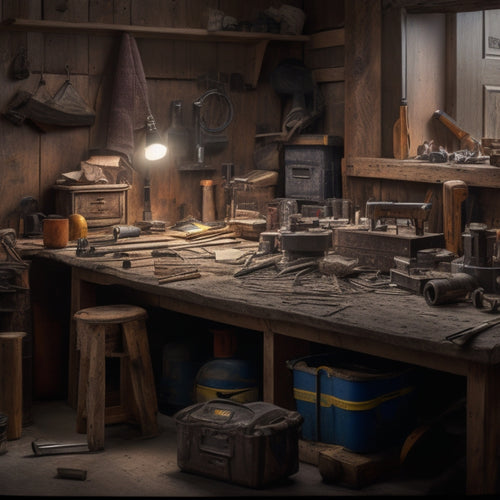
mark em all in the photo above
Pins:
pixel 466 140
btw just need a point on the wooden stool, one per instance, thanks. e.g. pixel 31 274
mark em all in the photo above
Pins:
pixel 11 381
pixel 110 332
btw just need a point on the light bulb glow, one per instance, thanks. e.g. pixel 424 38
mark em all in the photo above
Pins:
pixel 155 151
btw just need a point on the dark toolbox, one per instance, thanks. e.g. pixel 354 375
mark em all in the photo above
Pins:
pixel 251 444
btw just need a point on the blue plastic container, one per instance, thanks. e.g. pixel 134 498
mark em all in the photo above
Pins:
pixel 361 402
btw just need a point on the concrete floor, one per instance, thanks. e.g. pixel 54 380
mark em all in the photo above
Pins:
pixel 137 467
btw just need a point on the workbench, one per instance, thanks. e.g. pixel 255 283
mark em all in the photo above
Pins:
pixel 385 322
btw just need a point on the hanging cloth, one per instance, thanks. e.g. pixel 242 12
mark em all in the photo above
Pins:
pixel 129 104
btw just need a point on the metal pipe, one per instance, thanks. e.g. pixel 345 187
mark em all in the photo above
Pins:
pixel 58 448
pixel 449 290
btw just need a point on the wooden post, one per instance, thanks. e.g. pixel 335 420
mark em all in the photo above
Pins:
pixel 454 193
pixel 11 381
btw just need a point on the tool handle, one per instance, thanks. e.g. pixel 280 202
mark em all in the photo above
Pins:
pixel 454 193
pixel 450 123
pixel 401 133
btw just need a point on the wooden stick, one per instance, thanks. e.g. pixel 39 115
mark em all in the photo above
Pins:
pixel 187 276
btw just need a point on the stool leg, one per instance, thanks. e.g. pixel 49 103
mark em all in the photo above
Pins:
pixel 141 375
pixel 96 389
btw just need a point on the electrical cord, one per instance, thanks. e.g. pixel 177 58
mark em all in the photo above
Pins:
pixel 227 116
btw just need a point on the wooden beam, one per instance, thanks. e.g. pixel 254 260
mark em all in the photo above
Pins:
pixel 363 78
pixel 417 171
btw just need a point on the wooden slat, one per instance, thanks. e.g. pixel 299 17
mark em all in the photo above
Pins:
pixel 418 171
pixel 363 78
pixel 331 38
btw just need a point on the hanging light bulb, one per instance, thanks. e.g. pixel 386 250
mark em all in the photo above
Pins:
pixel 155 149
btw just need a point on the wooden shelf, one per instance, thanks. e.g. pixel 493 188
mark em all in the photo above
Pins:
pixel 480 175
pixel 193 34
pixel 258 40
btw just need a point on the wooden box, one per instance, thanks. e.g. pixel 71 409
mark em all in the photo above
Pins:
pixel 101 204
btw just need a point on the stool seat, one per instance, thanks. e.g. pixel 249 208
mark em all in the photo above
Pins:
pixel 119 313
pixel 114 331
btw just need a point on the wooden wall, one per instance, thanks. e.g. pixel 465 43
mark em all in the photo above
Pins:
pixel 31 161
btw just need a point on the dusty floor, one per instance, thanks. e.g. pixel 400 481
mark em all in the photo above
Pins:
pixel 133 466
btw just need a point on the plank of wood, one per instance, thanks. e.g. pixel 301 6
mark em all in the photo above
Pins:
pixel 339 465
pixel 482 175
pixel 330 38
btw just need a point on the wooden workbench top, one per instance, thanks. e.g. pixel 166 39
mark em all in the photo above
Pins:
pixel 363 310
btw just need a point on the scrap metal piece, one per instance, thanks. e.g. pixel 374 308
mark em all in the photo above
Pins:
pixel 68 473
pixel 417 212
pixel 463 336
pixel 481 300
pixel 40 449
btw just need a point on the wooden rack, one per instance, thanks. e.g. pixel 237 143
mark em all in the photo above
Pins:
pixel 259 40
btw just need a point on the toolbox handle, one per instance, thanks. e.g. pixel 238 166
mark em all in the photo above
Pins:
pixel 282 421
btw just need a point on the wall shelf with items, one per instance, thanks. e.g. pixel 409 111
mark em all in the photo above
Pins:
pixel 480 175
pixel 259 40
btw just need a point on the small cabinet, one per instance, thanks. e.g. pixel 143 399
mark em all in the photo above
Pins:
pixel 101 205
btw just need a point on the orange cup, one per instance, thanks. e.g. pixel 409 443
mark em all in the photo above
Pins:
pixel 55 232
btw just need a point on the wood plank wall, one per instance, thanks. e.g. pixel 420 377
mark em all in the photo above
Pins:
pixel 31 161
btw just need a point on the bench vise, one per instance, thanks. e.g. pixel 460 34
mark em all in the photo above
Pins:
pixel 417 212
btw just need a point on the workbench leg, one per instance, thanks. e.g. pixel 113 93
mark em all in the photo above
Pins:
pixel 82 295
pixel 277 377
pixel 483 429
pixel 268 366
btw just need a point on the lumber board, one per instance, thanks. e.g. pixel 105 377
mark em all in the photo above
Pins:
pixel 330 38
pixel 481 175
pixel 339 465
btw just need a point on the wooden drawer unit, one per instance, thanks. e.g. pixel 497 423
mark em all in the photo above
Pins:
pixel 101 205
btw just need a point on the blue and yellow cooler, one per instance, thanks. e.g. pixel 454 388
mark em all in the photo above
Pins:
pixel 361 402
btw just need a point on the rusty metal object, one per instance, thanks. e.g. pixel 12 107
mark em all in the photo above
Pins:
pixel 40 449
pixel 482 300
pixel 417 212
pixel 377 249
pixel 449 290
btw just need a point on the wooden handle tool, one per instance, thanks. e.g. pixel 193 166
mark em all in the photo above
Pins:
pixel 401 131
pixel 454 193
